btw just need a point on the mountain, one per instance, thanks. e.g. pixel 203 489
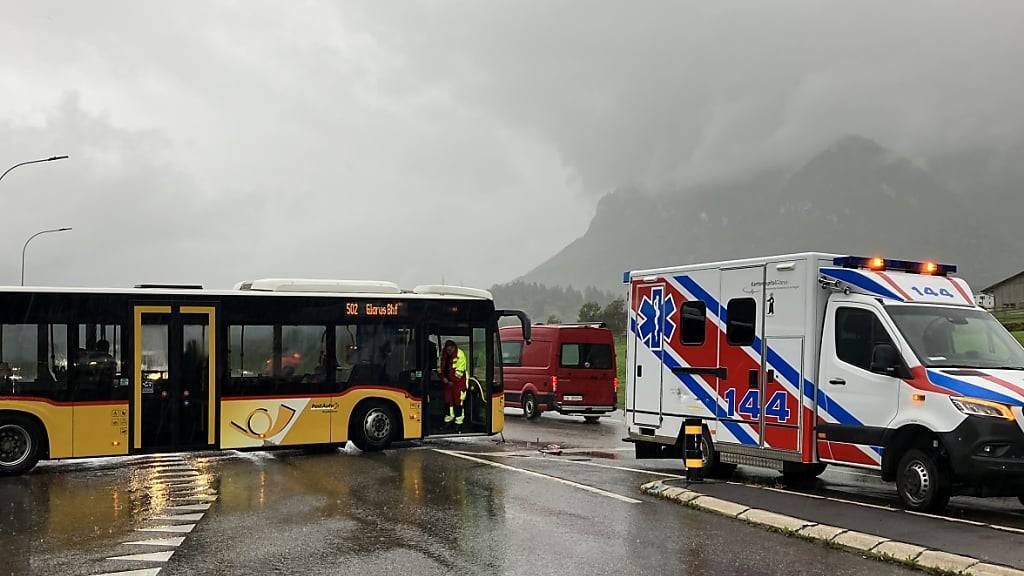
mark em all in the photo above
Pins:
pixel 854 197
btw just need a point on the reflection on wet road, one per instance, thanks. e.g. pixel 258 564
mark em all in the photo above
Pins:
pixel 463 507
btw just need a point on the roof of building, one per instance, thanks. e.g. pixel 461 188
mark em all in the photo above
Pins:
pixel 1004 281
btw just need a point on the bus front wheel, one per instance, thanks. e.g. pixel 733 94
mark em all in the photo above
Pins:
pixel 373 427
pixel 19 445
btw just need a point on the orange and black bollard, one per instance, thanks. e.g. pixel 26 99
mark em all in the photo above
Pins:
pixel 694 432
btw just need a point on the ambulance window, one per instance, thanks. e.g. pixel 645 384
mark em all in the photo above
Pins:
pixel 858 331
pixel 693 314
pixel 741 326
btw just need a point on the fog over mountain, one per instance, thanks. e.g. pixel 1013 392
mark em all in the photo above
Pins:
pixel 855 197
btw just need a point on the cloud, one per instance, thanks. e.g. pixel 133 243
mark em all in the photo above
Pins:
pixel 218 141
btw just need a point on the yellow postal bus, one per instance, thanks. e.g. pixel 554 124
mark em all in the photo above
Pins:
pixel 272 363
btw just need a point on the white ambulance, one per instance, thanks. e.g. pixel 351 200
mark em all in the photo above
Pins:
pixel 799 361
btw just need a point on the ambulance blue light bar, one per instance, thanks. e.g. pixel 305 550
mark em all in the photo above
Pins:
pixel 878 264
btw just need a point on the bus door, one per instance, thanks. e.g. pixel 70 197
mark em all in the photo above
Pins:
pixel 174 389
pixel 472 341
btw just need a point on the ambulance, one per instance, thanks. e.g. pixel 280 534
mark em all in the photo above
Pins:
pixel 799 361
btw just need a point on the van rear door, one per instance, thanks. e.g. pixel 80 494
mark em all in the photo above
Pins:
pixel 586 368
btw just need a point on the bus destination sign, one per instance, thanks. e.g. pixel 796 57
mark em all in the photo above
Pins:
pixel 375 309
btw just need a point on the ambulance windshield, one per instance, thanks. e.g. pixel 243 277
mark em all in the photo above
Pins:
pixel 957 337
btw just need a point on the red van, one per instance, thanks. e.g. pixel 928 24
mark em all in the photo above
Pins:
pixel 568 368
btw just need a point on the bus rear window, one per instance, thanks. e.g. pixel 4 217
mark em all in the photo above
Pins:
pixel 595 356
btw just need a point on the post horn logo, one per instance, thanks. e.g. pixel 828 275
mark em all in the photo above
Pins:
pixel 260 425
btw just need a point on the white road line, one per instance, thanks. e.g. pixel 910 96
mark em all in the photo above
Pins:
pixel 143 572
pixel 148 557
pixel 189 508
pixel 177 528
pixel 159 542
pixel 544 476
pixel 595 464
pixel 211 497
pixel 180 517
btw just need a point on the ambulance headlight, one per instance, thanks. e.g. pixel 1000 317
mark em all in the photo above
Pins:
pixel 979 407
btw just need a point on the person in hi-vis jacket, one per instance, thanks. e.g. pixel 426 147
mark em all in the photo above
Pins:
pixel 453 376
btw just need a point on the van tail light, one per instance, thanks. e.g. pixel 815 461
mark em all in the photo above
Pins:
pixel 554 383
pixel 615 383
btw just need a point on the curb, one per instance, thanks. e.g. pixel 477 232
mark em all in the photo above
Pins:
pixel 868 544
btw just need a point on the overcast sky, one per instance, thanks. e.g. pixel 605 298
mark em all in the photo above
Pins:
pixel 215 141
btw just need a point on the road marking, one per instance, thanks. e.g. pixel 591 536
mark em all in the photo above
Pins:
pixel 177 528
pixel 595 464
pixel 159 542
pixel 590 489
pixel 211 497
pixel 143 572
pixel 180 517
pixel 148 557
pixel 189 508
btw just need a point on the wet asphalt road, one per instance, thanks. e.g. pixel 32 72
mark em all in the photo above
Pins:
pixel 416 510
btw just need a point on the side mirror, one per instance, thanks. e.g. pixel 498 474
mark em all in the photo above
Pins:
pixel 524 321
pixel 885 359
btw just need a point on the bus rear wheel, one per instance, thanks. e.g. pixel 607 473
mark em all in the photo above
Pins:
pixel 19 445
pixel 373 427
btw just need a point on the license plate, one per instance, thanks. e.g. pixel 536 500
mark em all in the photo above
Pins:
pixel 572 398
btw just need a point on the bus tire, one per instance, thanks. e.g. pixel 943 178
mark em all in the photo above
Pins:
pixel 1021 499
pixel 373 427
pixel 923 481
pixel 591 419
pixel 530 410
pixel 20 445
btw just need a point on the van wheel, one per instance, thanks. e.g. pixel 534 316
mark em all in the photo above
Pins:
pixel 713 465
pixel 19 445
pixel 922 481
pixel 591 419
pixel 373 427
pixel 530 406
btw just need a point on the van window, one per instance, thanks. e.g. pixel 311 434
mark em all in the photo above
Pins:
pixel 742 322
pixel 595 356
pixel 693 314
pixel 858 331
pixel 512 353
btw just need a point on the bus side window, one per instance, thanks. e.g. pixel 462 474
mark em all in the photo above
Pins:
pixel 96 368
pixel 34 360
pixel 369 354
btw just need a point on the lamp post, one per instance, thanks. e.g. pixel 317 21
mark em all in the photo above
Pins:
pixel 50 159
pixel 26 246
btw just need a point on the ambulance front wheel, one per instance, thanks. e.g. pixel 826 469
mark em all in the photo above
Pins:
pixel 923 481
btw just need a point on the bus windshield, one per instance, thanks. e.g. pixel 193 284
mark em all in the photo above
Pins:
pixel 957 337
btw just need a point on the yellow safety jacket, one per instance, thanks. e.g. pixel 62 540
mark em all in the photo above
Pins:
pixel 461 364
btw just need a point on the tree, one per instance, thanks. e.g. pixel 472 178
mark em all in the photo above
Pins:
pixel 614 315
pixel 553 319
pixel 590 312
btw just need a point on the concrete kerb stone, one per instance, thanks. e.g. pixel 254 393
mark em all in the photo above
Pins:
pixel 945 561
pixel 723 507
pixel 822 532
pixel 774 520
pixel 900 551
pixel 869 544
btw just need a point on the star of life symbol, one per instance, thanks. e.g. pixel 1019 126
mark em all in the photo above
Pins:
pixel 654 318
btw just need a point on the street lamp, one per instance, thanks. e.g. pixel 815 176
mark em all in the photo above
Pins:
pixel 50 159
pixel 26 246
